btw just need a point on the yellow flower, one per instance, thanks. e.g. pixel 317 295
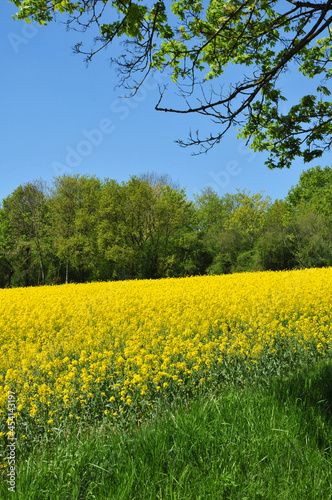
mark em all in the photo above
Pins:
pixel 140 335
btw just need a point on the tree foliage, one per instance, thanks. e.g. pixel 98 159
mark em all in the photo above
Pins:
pixel 312 184
pixel 24 219
pixel 73 202
pixel 195 42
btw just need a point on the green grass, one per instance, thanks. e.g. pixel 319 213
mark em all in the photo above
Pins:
pixel 271 439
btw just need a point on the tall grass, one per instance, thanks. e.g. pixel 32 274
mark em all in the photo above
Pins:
pixel 265 439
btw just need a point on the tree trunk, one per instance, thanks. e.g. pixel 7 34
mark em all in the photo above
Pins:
pixel 42 269
pixel 27 271
pixel 67 272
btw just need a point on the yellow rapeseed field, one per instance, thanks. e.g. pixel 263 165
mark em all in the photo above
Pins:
pixel 102 350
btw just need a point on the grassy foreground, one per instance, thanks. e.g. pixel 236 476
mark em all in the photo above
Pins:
pixel 271 439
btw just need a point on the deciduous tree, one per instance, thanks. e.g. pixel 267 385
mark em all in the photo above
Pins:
pixel 25 218
pixel 74 205
pixel 196 42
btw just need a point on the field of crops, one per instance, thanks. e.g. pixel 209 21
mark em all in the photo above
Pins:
pixel 82 352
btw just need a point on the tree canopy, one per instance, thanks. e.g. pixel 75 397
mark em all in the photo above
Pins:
pixel 197 42
pixel 81 228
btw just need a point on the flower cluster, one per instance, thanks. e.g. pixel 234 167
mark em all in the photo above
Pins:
pixel 81 351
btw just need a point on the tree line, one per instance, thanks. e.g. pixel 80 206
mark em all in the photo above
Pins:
pixel 83 229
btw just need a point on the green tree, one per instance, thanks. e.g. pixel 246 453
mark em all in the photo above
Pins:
pixel 275 248
pixel 125 225
pixel 74 203
pixel 144 227
pixel 25 218
pixel 198 42
pixel 247 217
pixel 244 227
pixel 229 227
pixel 311 202
pixel 7 266
pixel 311 184
pixel 312 237
pixel 212 214
pixel 176 244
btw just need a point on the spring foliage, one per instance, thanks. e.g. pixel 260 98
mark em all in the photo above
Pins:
pixel 196 43
pixel 83 229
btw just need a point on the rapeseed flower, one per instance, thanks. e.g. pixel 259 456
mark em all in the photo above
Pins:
pixel 101 350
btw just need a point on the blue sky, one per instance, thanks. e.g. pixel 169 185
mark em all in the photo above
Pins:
pixel 59 116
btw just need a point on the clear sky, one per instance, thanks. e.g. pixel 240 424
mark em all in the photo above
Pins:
pixel 59 116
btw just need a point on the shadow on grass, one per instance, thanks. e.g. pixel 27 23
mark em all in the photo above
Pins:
pixel 310 390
